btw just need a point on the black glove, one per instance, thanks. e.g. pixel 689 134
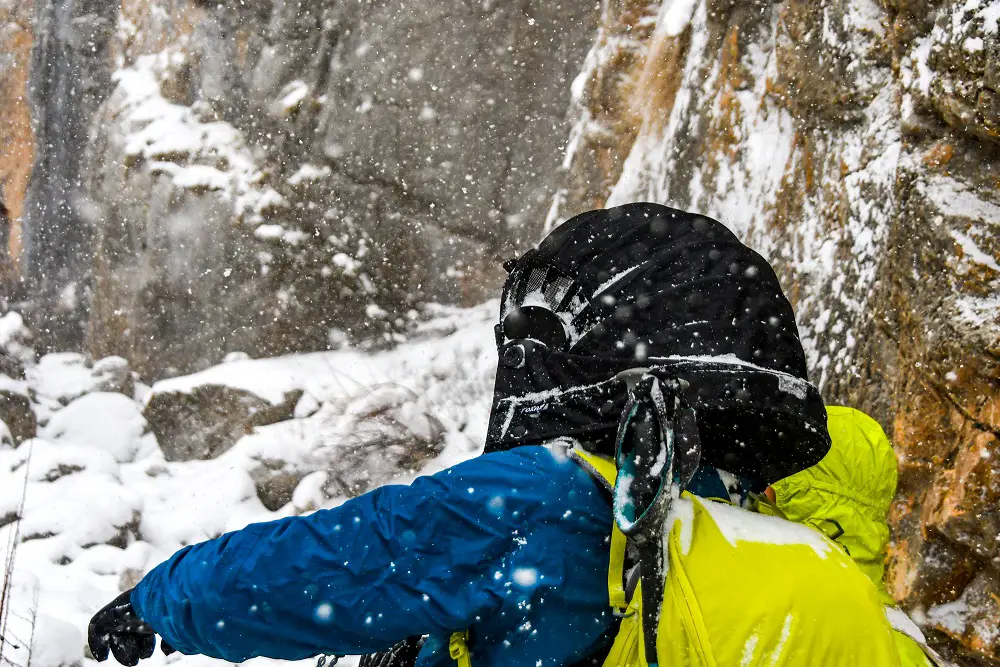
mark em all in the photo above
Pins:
pixel 403 654
pixel 117 628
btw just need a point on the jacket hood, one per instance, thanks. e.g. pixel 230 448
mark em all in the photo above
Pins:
pixel 646 286
pixel 847 494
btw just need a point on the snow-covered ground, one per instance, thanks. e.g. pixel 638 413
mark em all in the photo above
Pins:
pixel 102 505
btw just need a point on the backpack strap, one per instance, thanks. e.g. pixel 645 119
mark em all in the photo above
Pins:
pixel 603 470
pixel 458 649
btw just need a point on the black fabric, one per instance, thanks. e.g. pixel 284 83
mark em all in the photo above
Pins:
pixel 403 654
pixel 644 285
pixel 116 629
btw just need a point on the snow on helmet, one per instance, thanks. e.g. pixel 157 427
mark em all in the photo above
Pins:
pixel 648 287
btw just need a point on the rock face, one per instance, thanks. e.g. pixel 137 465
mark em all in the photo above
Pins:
pixel 207 420
pixel 855 145
pixel 70 77
pixel 16 136
pixel 267 176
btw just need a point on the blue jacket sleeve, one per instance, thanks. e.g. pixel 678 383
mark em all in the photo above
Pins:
pixel 395 562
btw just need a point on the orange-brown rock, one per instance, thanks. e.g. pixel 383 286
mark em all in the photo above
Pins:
pixel 853 144
pixel 16 136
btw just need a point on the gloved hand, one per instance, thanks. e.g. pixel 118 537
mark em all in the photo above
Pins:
pixel 403 654
pixel 118 628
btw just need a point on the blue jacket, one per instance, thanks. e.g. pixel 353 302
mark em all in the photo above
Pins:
pixel 512 545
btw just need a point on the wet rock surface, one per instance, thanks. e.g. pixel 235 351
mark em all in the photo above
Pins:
pixel 852 144
pixel 328 167
pixel 207 420
pixel 70 77
pixel 16 413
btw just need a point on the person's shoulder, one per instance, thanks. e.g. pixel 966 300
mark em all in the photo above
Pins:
pixel 547 461
pixel 539 468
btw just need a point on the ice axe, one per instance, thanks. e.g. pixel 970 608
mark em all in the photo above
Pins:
pixel 658 451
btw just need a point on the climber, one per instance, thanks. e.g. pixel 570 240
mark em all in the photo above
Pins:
pixel 847 497
pixel 627 328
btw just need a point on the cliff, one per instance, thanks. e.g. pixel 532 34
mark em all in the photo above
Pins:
pixel 278 177
pixel 855 145
pixel 271 177
pixel 16 137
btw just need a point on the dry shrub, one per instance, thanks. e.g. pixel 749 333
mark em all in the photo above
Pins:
pixel 158 25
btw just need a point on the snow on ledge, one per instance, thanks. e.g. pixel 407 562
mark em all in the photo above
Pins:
pixel 954 199
pixel 270 379
pixel 455 334
pixel 176 142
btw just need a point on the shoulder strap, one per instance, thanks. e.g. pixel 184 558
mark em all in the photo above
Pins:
pixel 603 469
pixel 458 649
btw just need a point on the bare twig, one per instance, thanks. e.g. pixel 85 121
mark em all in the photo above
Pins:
pixel 9 557
pixel 34 620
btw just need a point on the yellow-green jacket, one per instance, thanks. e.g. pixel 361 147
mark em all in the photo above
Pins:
pixel 748 589
pixel 847 496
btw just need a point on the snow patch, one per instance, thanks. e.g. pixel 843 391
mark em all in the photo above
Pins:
pixel 953 617
pixel 952 198
pixel 104 421
pixel 291 97
pixel 173 140
pixel 972 252
pixel 738 525
pixel 674 17
pixel 309 173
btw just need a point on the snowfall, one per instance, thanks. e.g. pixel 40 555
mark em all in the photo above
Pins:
pixel 93 503
pixel 100 505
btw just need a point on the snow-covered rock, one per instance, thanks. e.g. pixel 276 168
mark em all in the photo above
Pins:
pixel 15 348
pixel 205 420
pixel 59 378
pixel 106 421
pixel 75 497
pixel 57 642
pixel 113 374
pixel 191 501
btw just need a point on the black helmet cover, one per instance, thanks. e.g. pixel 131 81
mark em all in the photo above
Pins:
pixel 645 286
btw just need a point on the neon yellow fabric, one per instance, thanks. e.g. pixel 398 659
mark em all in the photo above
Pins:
pixel 604 469
pixel 851 490
pixel 716 610
pixel 910 652
pixel 747 589
pixel 627 649
pixel 852 487
pixel 458 649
